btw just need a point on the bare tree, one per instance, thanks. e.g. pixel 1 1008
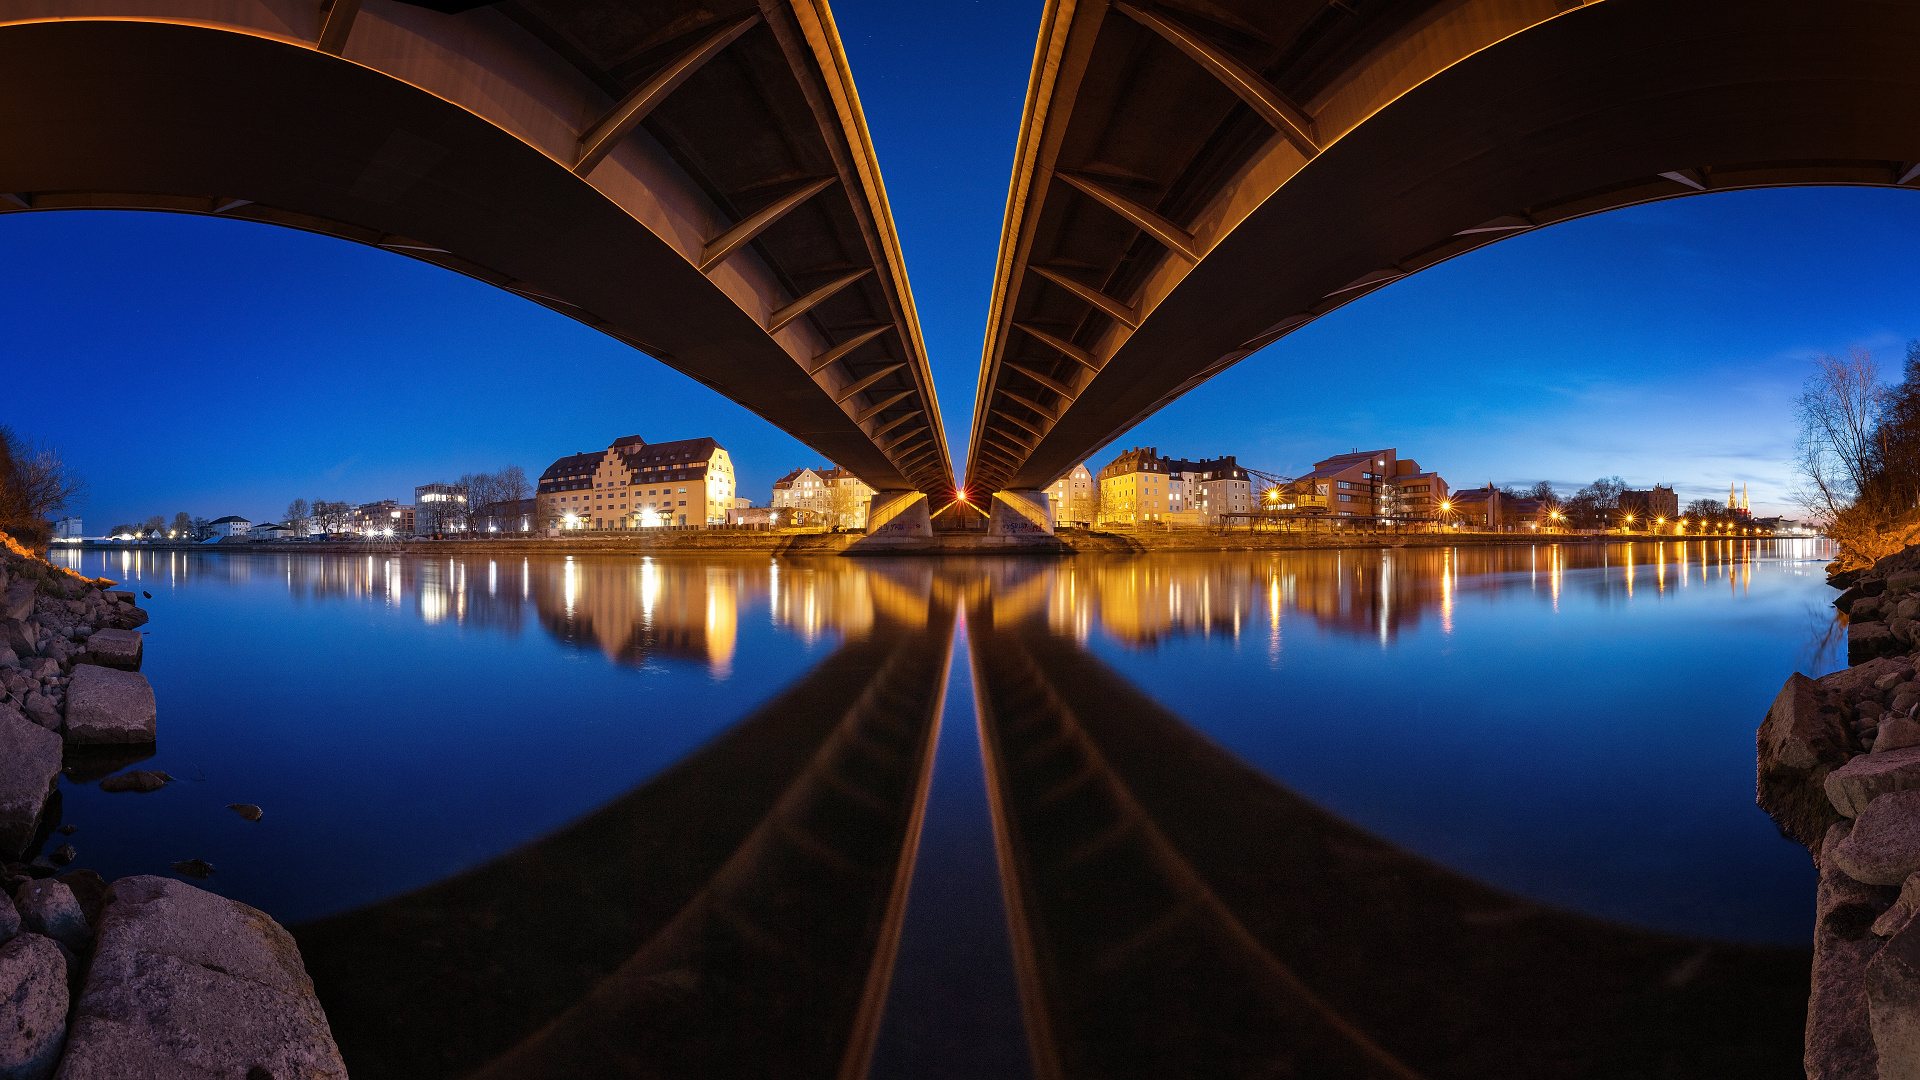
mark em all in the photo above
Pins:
pixel 182 527
pixel 35 484
pixel 1838 411
pixel 298 513
pixel 844 505
pixel 202 528
pixel 510 488
pixel 332 517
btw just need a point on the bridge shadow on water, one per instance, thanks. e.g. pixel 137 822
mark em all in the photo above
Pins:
pixel 1171 912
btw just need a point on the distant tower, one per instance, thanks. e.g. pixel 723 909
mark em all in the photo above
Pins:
pixel 1744 504
pixel 1732 502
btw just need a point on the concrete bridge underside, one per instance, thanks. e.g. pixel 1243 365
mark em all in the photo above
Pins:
pixel 1197 178
pixel 694 179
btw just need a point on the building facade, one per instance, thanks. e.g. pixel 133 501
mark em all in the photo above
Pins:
pixel 1651 504
pixel 1376 484
pixel 1071 497
pixel 513 515
pixel 823 496
pixel 439 508
pixel 67 528
pixel 1209 488
pixel 383 518
pixel 1489 508
pixel 231 525
pixel 1134 488
pixel 634 484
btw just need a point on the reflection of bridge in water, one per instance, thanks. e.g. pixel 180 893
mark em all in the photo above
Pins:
pixel 1172 912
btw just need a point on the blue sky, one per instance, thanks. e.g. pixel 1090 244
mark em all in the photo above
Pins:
pixel 218 367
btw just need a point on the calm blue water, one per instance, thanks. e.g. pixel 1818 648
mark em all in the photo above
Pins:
pixel 1572 724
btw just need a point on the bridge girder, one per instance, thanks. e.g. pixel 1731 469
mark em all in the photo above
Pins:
pixel 1195 180
pixel 694 179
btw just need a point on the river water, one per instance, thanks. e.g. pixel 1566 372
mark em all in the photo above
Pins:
pixel 1526 748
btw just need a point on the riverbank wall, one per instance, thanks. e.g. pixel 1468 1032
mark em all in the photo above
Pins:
pixel 1838 769
pixel 148 975
pixel 800 543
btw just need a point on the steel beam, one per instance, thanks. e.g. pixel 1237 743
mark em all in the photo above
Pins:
pixel 599 140
pixel 743 232
pixel 813 299
pixel 1179 240
pixel 1247 84
pixel 875 410
pixel 336 22
pixel 819 363
pixel 1128 315
pixel 1071 350
pixel 853 388
pixel 1047 381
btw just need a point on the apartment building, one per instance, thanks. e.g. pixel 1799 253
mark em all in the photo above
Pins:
pixel 634 484
pixel 1209 487
pixel 1071 496
pixel 1375 484
pixel 834 496
pixel 377 518
pixel 1134 488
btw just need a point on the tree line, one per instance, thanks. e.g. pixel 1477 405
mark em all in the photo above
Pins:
pixel 1857 456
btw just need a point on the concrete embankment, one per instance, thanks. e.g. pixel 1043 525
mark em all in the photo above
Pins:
pixel 1839 771
pixel 146 976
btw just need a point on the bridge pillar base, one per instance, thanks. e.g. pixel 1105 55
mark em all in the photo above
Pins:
pixel 898 515
pixel 1020 513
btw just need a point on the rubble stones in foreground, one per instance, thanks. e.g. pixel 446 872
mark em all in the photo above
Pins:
pixel 184 980
pixel 1815 772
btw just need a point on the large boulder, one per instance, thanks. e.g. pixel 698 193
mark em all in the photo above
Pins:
pixel 1884 846
pixel 33 1007
pixel 1860 781
pixel 115 648
pixel 48 908
pixel 1868 641
pixel 1803 738
pixel 1839 1042
pixel 17 601
pixel 29 765
pixel 185 983
pixel 105 705
pixel 1893 1005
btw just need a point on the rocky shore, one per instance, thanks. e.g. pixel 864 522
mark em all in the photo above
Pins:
pixel 146 976
pixel 1839 771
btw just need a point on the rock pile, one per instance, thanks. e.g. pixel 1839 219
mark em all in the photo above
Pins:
pixel 68 650
pixel 1839 771
pixel 149 977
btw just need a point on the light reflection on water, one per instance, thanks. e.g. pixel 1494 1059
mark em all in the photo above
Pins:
pixel 1570 722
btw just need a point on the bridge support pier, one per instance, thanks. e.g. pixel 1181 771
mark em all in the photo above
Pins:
pixel 898 515
pixel 1020 513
